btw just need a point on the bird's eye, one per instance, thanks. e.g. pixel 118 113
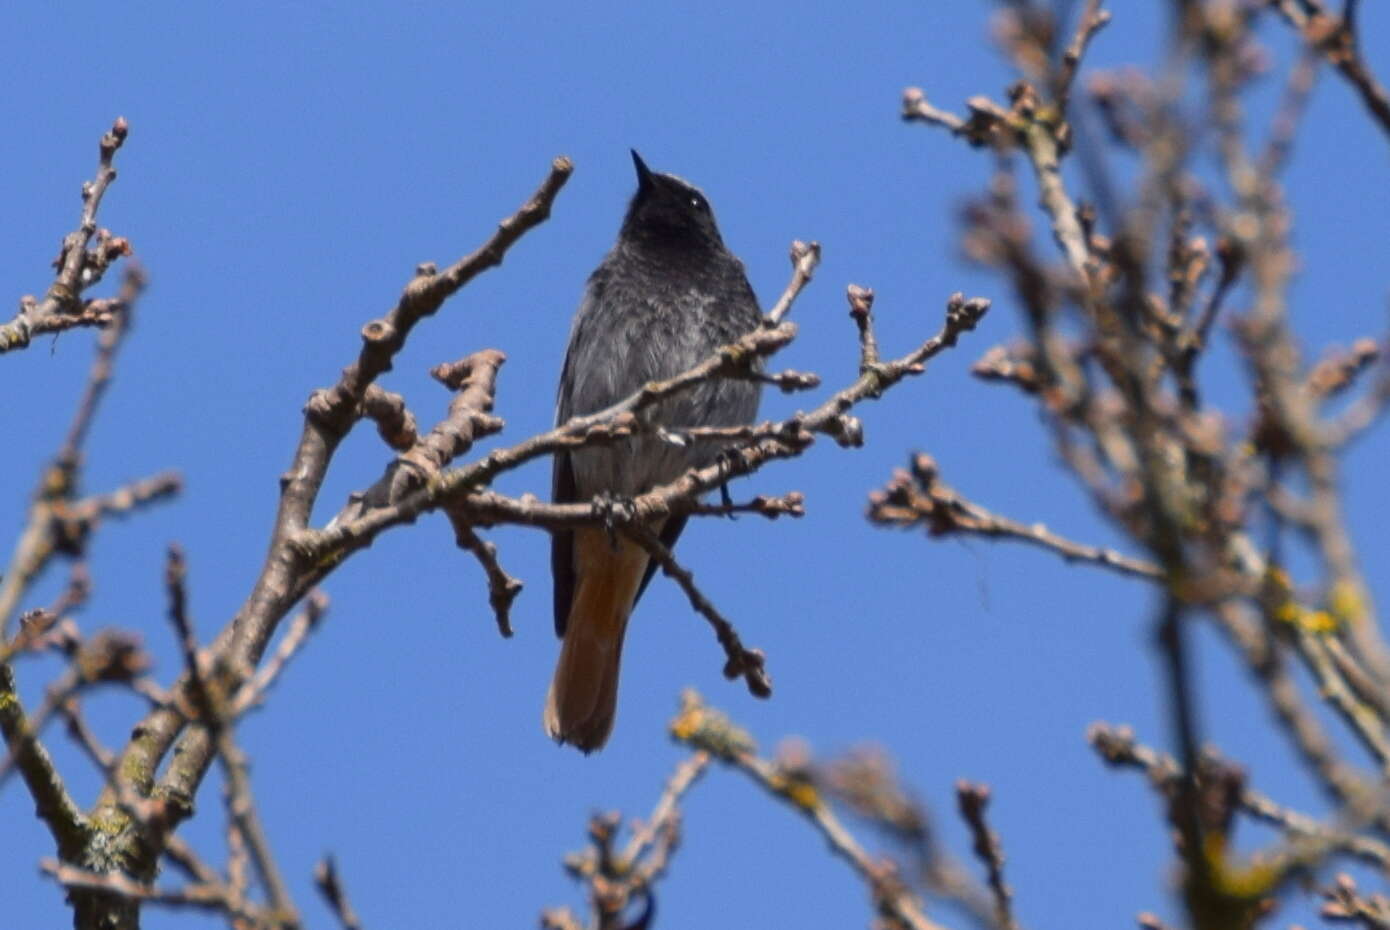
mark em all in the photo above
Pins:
pixel 699 203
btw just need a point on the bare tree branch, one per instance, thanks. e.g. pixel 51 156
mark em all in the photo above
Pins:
pixel 78 267
pixel 919 497
pixel 973 799
pixel 805 257
pixel 1336 39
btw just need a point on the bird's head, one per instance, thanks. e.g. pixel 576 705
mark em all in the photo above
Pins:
pixel 667 210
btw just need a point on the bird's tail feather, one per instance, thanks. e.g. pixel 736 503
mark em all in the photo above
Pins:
pixel 583 697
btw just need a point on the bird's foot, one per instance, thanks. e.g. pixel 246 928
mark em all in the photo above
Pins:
pixel 616 511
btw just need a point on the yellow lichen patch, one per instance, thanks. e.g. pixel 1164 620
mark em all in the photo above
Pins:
pixel 686 724
pixel 1247 882
pixel 691 716
pixel 1283 607
pixel 1288 612
pixel 703 727
pixel 136 773
pixel 1318 621
pixel 1306 619
pixel 1227 893
pixel 797 790
pixel 1346 602
pixel 110 820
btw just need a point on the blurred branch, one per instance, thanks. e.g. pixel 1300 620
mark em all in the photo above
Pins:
pixel 55 807
pixel 1119 747
pixel 973 799
pixel 58 523
pixel 108 344
pixel 703 728
pixel 667 810
pixel 1336 40
pixel 326 878
pixel 211 898
pixel 109 657
pixel 616 880
pixel 1120 393
pixel 919 497
pixel 1093 20
pixel 1345 904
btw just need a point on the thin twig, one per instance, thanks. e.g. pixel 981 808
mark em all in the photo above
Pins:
pixel 1336 40
pixel 805 257
pixel 741 662
pixel 78 267
pixel 918 497
pixel 792 504
pixel 175 577
pixel 972 800
pixel 1172 637
pixel 326 878
pixel 502 588
pixel 1297 92
pixel 212 898
pixel 82 734
pixel 253 693
pixel 861 305
pixel 242 812
pixel 1093 20
pixel 132 285
pixel 238 861
pixel 685 776
pixel 177 851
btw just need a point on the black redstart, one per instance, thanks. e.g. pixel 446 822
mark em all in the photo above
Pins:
pixel 666 296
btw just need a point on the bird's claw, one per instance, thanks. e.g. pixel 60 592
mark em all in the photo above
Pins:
pixel 615 511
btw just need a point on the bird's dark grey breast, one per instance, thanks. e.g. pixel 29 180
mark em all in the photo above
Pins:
pixel 643 319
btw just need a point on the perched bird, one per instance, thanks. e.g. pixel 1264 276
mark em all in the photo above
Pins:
pixel 667 295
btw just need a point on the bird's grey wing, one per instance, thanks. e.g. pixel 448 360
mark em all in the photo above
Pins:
pixel 738 399
pixel 562 487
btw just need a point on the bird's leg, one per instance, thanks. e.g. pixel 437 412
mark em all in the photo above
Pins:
pixel 726 461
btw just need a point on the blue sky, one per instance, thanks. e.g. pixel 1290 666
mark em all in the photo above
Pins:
pixel 288 166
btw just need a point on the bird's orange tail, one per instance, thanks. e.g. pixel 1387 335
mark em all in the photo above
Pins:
pixel 583 695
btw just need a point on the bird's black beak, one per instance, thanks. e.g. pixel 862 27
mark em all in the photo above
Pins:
pixel 644 174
